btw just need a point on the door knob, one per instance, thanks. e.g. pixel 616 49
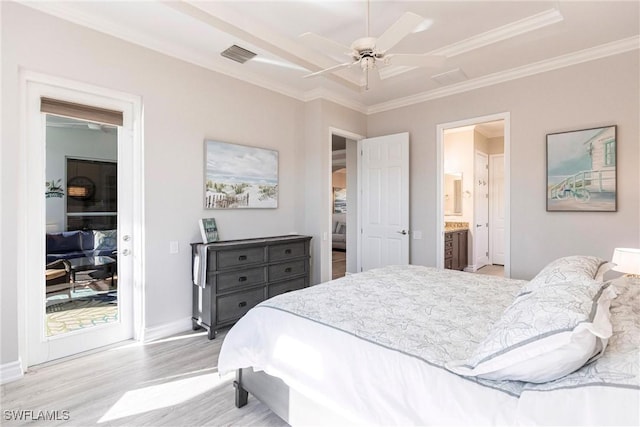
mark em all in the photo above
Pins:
pixel 403 232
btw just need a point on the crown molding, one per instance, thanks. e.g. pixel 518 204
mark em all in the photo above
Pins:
pixel 586 55
pixel 327 95
pixel 508 31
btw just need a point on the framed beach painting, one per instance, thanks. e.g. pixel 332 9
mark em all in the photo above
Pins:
pixel 581 170
pixel 240 176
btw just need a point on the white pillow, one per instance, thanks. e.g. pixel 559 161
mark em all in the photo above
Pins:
pixel 564 269
pixel 544 335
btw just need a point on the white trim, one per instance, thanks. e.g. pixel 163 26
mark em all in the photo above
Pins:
pixel 322 93
pixel 11 371
pixel 507 31
pixel 590 54
pixel 31 175
pixel 166 330
pixel 440 128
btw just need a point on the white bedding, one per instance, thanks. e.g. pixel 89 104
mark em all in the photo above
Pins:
pixel 372 347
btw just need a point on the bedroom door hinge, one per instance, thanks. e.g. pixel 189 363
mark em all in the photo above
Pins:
pixel 487 253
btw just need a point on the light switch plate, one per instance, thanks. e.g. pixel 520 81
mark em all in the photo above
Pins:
pixel 173 247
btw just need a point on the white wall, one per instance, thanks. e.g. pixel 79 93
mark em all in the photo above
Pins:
pixel 320 118
pixel 183 105
pixel 591 94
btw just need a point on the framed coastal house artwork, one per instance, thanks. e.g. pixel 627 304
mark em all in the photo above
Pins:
pixel 239 176
pixel 581 170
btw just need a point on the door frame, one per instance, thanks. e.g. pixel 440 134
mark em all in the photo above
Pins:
pixel 326 269
pixel 31 206
pixel 440 128
pixel 492 199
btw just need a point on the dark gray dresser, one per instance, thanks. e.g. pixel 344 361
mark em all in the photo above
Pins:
pixel 242 273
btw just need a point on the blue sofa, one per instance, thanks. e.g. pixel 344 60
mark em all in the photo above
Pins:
pixel 77 244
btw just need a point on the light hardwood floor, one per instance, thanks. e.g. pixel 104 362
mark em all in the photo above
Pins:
pixel 170 382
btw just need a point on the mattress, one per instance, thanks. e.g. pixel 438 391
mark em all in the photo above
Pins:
pixel 372 347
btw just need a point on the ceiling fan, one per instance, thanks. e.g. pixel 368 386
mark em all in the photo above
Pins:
pixel 370 52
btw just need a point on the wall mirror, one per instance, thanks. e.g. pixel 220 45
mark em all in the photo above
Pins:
pixel 453 193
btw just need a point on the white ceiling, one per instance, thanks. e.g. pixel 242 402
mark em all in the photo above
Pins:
pixel 484 42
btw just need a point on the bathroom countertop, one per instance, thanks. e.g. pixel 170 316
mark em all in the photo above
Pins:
pixel 455 226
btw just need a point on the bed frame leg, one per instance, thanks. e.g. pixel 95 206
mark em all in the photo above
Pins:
pixel 242 395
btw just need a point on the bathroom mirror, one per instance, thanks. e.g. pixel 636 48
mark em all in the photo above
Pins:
pixel 453 193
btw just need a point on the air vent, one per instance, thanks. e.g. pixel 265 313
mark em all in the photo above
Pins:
pixel 238 54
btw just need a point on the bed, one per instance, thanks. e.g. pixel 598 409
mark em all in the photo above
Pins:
pixel 385 347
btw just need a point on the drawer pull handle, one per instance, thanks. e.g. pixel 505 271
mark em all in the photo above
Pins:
pixel 242 258
pixel 287 270
pixel 242 279
pixel 287 251
pixel 242 304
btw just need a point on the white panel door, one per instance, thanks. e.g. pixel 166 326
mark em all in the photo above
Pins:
pixel 496 209
pixel 481 211
pixel 385 201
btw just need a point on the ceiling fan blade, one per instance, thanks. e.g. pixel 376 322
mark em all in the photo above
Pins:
pixel 331 69
pixel 416 60
pixel 324 45
pixel 399 30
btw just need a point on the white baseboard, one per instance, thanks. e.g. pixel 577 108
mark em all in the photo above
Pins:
pixel 471 268
pixel 166 330
pixel 11 371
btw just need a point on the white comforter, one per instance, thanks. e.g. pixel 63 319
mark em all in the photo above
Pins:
pixel 372 348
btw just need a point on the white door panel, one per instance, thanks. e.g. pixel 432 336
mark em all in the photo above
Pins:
pixel 481 211
pixel 385 201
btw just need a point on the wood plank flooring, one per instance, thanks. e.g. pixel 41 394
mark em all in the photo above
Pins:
pixel 170 382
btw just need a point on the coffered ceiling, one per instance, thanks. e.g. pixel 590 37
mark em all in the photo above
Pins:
pixel 482 42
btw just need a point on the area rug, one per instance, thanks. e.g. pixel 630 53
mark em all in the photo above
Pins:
pixel 81 313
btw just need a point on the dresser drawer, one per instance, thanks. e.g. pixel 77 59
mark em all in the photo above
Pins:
pixel 287 269
pixel 286 251
pixel 234 306
pixel 247 277
pixel 238 257
pixel 288 286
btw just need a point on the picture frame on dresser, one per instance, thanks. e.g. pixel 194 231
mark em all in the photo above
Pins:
pixel 582 170
pixel 239 176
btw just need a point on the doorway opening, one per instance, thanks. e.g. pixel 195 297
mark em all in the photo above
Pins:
pixel 344 176
pixel 473 195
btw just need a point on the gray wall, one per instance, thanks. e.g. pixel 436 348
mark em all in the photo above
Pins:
pixel 592 94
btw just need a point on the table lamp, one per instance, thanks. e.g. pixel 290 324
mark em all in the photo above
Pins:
pixel 627 261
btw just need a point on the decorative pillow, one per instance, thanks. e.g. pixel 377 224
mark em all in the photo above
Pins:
pixel 105 240
pixel 341 228
pixel 565 269
pixel 545 334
